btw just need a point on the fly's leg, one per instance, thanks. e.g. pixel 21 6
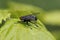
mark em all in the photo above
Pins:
pixel 26 21
pixel 35 23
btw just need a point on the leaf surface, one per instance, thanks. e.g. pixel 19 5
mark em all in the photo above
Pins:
pixel 17 31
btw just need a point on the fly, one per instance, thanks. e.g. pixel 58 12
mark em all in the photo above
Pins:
pixel 28 18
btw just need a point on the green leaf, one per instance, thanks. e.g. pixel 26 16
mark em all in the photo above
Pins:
pixel 4 14
pixel 52 17
pixel 19 9
pixel 18 31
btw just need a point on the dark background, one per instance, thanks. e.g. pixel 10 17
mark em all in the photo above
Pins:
pixel 45 4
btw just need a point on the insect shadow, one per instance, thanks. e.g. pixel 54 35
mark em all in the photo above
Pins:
pixel 29 24
pixel 3 22
pixel 23 23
